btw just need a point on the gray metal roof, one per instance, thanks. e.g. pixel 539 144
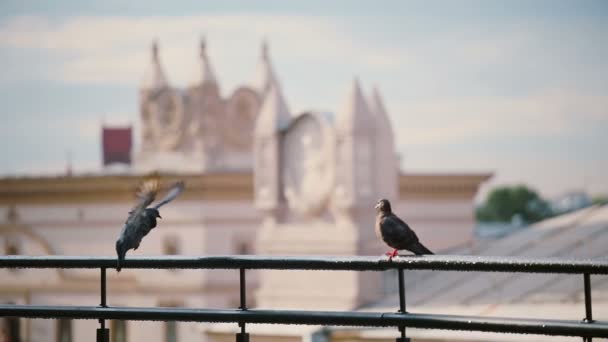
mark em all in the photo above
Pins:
pixel 581 234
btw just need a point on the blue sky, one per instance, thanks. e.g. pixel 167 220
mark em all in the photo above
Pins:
pixel 519 88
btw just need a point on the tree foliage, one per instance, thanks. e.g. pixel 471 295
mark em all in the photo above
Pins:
pixel 600 200
pixel 503 203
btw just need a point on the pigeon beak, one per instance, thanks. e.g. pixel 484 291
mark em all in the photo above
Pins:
pixel 159 216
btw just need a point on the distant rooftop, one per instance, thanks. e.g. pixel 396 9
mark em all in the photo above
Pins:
pixel 581 234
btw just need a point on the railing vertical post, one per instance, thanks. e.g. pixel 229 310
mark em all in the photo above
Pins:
pixel 103 334
pixel 588 311
pixel 103 303
pixel 402 305
pixel 242 336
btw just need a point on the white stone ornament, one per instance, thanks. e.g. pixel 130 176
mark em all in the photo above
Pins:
pixel 165 114
pixel 306 165
pixel 241 112
pixel 355 162
pixel 195 129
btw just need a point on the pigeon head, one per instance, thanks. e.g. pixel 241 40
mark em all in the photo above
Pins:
pixel 121 250
pixel 383 206
pixel 153 212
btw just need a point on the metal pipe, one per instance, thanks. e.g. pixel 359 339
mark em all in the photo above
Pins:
pixel 103 287
pixel 242 336
pixel 588 311
pixel 401 292
pixel 103 334
pixel 326 318
pixel 402 310
pixel 243 288
pixel 352 263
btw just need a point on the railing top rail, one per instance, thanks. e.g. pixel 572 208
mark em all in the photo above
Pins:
pixel 343 263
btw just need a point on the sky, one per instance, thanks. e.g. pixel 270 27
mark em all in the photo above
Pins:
pixel 516 88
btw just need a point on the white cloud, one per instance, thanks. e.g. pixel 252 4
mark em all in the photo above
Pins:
pixel 116 49
pixel 443 120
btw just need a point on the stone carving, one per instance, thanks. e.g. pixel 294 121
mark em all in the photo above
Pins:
pixel 163 120
pixel 202 123
pixel 241 112
pixel 307 165
pixel 196 129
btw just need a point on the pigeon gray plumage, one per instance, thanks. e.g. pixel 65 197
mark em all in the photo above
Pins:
pixel 142 219
pixel 396 233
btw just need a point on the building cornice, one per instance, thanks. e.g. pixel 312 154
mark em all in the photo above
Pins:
pixel 217 186
pixel 119 188
pixel 440 186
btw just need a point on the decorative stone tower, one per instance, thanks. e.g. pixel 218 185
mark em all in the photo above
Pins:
pixel 207 74
pixel 326 192
pixel 355 132
pixel 163 120
pixel 205 106
pixel 357 170
pixel 268 138
pixel 385 156
pixel 196 129
pixel 154 79
pixel 265 76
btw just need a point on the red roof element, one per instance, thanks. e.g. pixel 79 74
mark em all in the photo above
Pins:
pixel 117 144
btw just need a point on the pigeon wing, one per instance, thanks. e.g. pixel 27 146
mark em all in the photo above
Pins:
pixel 174 191
pixel 145 196
pixel 396 233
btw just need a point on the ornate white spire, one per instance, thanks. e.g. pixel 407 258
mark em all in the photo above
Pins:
pixel 274 115
pixel 265 76
pixel 154 78
pixel 378 110
pixel 355 114
pixel 207 76
pixel 387 179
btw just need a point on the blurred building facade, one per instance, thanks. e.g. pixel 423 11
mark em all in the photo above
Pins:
pixel 259 179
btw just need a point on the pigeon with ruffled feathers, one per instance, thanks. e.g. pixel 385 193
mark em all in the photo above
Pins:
pixel 142 219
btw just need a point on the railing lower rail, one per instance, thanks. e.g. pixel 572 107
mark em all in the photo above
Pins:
pixel 337 318
pixel 587 328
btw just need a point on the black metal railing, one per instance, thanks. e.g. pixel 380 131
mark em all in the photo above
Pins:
pixel 586 328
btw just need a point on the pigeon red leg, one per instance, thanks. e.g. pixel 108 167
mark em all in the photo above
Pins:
pixel 392 254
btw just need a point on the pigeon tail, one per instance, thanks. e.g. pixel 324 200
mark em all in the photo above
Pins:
pixel 419 249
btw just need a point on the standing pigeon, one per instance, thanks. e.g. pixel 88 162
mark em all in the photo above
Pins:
pixel 141 219
pixel 396 233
